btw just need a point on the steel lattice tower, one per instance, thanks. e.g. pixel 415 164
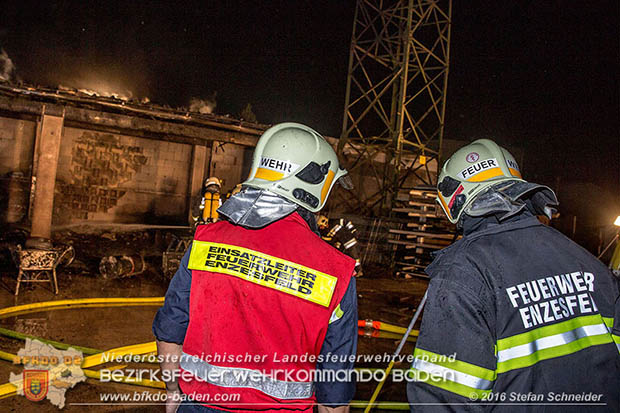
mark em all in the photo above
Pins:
pixel 395 97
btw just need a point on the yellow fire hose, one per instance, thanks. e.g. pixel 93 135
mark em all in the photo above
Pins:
pixel 9 389
pixel 418 311
pixel 79 303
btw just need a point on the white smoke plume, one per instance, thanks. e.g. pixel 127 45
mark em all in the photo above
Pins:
pixel 7 68
pixel 204 106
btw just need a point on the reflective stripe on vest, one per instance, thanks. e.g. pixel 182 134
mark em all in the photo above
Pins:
pixel 616 340
pixel 236 377
pixel 266 270
pixel 334 230
pixel 609 322
pixel 454 376
pixel 350 243
pixel 527 349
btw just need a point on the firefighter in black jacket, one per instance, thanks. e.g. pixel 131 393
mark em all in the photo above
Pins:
pixel 519 317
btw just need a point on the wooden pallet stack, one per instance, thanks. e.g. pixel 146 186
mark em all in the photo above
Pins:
pixel 425 230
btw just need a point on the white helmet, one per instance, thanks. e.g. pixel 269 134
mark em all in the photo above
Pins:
pixel 469 171
pixel 213 181
pixel 297 163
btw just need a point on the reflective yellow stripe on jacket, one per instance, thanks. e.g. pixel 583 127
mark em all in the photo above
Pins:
pixel 609 322
pixel 519 351
pixel 452 375
pixel 567 337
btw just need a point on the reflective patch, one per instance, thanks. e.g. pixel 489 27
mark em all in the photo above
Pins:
pixel 616 339
pixel 350 243
pixel 454 376
pixel 486 168
pixel 272 169
pixel 336 315
pixel 237 377
pixel 265 270
pixel 552 341
pixel 327 185
pixel 269 175
pixel 513 168
pixel 334 230
pixel 485 175
pixel 445 207
pixel 286 168
pixel 514 172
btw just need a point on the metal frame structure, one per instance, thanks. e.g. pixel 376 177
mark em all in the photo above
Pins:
pixel 395 97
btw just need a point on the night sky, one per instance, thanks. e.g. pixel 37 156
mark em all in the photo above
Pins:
pixel 539 75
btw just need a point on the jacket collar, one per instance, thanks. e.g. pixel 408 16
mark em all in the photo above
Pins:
pixel 477 227
pixel 474 225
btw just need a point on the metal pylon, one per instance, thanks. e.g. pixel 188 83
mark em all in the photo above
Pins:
pixel 395 98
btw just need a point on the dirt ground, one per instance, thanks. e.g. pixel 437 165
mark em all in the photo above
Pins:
pixel 388 300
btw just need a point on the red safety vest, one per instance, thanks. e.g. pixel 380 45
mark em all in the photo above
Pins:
pixel 260 305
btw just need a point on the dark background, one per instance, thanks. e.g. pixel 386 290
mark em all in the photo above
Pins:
pixel 538 75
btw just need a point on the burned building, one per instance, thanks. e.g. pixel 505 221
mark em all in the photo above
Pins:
pixel 67 157
pixel 71 158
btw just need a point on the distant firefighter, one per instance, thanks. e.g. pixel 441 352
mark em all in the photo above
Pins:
pixel 206 211
pixel 342 237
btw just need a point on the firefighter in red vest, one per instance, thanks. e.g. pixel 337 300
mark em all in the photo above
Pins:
pixel 262 310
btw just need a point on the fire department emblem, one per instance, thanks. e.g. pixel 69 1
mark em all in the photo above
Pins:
pixel 35 384
pixel 472 157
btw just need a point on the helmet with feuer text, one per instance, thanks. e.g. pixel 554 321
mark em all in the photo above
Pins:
pixel 471 170
pixel 296 163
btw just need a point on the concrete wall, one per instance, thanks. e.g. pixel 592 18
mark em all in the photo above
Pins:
pixel 16 145
pixel 118 178
pixel 231 163
pixel 114 178
pixel 16 149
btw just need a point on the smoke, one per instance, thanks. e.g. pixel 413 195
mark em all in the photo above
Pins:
pixel 102 90
pixel 7 68
pixel 204 106
pixel 98 82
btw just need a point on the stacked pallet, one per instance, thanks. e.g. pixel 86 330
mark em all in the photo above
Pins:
pixel 425 230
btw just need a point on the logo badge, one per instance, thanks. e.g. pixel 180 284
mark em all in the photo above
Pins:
pixel 472 157
pixel 35 384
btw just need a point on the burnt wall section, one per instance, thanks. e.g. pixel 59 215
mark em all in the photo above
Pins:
pixel 17 138
pixel 16 145
pixel 109 177
pixel 230 163
pixel 119 161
